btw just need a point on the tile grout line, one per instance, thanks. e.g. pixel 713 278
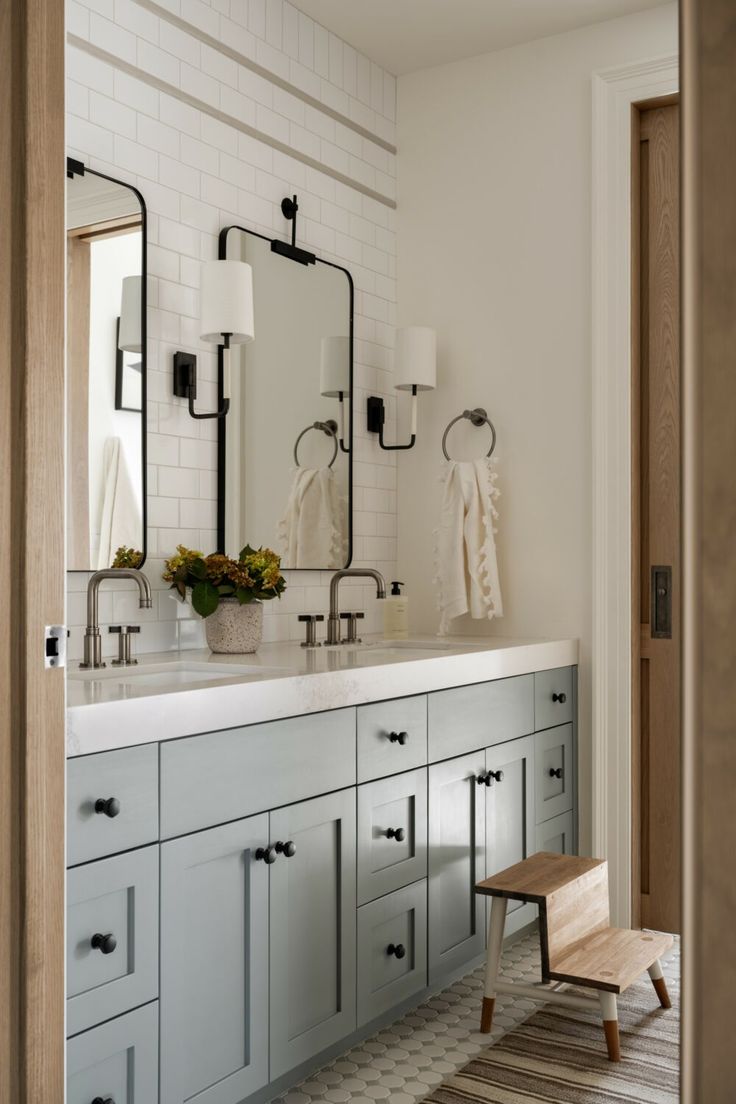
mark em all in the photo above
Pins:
pixel 261 71
pixel 223 117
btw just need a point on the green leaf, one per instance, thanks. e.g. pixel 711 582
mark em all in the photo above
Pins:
pixel 244 595
pixel 197 568
pixel 246 552
pixel 205 598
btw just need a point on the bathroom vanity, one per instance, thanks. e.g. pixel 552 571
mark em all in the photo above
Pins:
pixel 268 861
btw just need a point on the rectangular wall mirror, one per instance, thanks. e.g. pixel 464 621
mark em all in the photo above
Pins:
pixel 106 369
pixel 284 464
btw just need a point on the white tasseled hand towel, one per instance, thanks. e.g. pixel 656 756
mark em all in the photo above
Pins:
pixel 312 530
pixel 466 571
pixel 121 522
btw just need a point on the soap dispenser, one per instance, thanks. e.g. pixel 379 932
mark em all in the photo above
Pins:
pixel 396 614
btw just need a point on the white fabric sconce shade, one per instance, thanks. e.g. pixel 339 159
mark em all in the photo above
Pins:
pixel 334 376
pixel 415 362
pixel 226 308
pixel 131 310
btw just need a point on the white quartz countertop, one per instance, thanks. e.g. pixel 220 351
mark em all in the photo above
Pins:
pixel 178 694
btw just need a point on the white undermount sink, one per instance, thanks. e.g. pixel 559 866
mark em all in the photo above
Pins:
pixel 179 673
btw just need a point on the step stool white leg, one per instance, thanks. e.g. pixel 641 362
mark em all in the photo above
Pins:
pixel 660 985
pixel 609 1012
pixel 493 957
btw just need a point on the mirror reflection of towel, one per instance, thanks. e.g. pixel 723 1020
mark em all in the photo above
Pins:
pixel 121 521
pixel 312 530
pixel 466 571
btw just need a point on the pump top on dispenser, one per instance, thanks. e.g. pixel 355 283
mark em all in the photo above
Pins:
pixel 395 614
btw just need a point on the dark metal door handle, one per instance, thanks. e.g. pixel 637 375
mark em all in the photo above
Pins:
pixel 496 775
pixel 561 698
pixel 105 943
pixel 288 849
pixel 661 615
pixel 398 737
pixel 396 833
pixel 484 779
pixel 110 806
pixel 266 854
pixel 555 772
pixel 398 950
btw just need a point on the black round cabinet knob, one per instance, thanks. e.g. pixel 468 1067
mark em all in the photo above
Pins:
pixel 103 1100
pixel 396 833
pixel 555 772
pixel 105 943
pixel 288 849
pixel 398 950
pixel 398 737
pixel 484 779
pixel 497 776
pixel 110 806
pixel 266 854
pixel 561 698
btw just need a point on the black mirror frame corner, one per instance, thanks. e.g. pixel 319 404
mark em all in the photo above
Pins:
pixel 75 167
pixel 222 427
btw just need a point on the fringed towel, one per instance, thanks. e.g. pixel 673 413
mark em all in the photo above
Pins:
pixel 466 571
pixel 312 530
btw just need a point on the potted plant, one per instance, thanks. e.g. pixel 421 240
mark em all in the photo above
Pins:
pixel 227 593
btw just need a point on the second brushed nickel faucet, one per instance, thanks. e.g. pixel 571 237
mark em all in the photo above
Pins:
pixel 333 621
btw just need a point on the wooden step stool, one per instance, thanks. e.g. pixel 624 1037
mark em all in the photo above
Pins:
pixel 579 946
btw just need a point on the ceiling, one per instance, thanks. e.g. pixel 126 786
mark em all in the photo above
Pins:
pixel 404 35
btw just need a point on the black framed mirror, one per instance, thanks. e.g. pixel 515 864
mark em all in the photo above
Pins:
pixel 285 448
pixel 106 369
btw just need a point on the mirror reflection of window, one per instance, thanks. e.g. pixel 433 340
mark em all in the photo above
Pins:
pixel 105 366
pixel 286 389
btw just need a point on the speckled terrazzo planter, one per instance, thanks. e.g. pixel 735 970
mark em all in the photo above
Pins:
pixel 234 629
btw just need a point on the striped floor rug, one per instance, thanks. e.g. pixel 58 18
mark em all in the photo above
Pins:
pixel 558 1056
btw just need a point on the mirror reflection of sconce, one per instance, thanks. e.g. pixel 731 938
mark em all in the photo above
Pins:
pixel 226 314
pixel 129 334
pixel 416 369
pixel 334 376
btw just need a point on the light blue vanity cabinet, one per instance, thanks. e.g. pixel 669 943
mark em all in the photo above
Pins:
pixel 276 890
pixel 214 964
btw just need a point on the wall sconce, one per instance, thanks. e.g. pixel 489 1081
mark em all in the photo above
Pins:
pixel 334 376
pixel 129 334
pixel 416 369
pixel 226 298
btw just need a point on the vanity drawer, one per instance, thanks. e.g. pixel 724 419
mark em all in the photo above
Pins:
pixel 557 835
pixel 555 772
pixel 118 1060
pixel 553 697
pixel 220 776
pixel 117 899
pixel 395 805
pixel 471 717
pixel 127 781
pixel 399 922
pixel 392 737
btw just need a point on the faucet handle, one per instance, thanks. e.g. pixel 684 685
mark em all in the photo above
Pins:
pixel 352 619
pixel 311 620
pixel 125 658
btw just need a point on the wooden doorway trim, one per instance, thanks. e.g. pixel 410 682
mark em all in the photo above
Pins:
pixel 31 550
pixel 614 93
pixel 709 393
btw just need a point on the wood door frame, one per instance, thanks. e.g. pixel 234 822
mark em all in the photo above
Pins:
pixel 709 550
pixel 614 93
pixel 636 581
pixel 32 766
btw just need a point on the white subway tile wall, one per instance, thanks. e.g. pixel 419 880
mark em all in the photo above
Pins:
pixel 185 149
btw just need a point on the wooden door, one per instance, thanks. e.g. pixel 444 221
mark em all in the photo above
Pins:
pixel 656 522
pixel 312 928
pixel 456 844
pixel 31 550
pixel 214 964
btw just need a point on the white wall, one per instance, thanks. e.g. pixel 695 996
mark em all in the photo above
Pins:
pixel 162 94
pixel 494 250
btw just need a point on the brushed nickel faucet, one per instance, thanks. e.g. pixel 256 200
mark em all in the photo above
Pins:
pixel 333 621
pixel 92 637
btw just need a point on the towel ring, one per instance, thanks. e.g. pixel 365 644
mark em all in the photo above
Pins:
pixel 329 428
pixel 478 417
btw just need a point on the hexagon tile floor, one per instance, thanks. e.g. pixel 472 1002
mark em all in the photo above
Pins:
pixel 406 1061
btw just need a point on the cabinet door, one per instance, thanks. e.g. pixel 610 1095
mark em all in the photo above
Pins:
pixel 117 1061
pixel 312 929
pixel 555 772
pixel 456 862
pixel 557 834
pixel 214 964
pixel 392 834
pixel 510 815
